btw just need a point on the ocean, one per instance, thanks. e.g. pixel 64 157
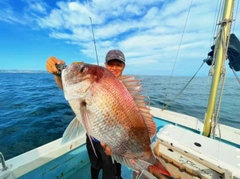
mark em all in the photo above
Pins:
pixel 33 110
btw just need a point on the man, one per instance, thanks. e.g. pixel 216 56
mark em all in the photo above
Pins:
pixel 115 63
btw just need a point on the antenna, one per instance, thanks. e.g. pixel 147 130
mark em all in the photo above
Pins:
pixel 94 41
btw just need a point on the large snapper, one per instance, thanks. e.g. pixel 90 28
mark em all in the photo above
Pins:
pixel 112 111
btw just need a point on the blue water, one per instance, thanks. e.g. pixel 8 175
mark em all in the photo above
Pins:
pixel 33 110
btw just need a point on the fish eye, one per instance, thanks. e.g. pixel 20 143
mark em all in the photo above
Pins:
pixel 82 68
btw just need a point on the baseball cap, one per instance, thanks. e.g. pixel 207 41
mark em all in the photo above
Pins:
pixel 115 55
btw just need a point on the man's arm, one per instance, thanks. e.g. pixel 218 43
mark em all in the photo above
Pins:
pixel 58 81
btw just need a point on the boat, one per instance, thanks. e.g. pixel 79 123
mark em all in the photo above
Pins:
pixel 188 147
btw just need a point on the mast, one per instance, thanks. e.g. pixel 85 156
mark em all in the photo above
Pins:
pixel 221 55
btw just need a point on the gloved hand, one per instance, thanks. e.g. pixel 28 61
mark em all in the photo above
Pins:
pixel 51 64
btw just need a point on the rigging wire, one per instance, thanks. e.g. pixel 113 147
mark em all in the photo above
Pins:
pixel 234 23
pixel 217 16
pixel 235 74
pixel 164 107
pixel 216 19
pixel 235 16
pixel 216 35
pixel 184 28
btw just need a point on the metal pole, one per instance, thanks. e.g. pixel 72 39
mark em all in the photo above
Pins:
pixel 221 50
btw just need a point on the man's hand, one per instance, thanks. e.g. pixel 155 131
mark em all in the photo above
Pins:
pixel 51 68
pixel 106 148
pixel 51 64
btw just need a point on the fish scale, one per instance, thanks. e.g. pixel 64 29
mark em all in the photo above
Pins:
pixel 126 115
pixel 114 113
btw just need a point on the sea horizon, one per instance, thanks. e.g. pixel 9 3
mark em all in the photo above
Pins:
pixel 159 75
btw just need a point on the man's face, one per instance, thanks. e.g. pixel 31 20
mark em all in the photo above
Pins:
pixel 116 67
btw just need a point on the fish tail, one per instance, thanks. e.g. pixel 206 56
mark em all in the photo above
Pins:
pixel 159 171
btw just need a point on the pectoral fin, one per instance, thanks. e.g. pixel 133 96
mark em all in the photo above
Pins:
pixel 86 120
pixel 74 130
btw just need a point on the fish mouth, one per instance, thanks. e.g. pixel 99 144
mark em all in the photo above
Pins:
pixel 61 67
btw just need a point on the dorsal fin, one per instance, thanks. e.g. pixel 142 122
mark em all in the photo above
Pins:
pixel 134 87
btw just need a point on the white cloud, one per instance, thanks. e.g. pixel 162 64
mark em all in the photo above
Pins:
pixel 54 20
pixel 147 31
pixel 39 7
pixel 135 10
pixel 8 14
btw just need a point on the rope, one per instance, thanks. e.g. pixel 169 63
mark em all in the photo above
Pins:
pixel 217 111
pixel 184 28
pixel 164 107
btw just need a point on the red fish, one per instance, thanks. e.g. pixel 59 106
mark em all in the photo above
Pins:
pixel 112 111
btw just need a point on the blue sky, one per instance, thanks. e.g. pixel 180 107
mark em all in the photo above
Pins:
pixel 147 31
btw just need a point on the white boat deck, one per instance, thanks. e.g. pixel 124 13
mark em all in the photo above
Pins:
pixel 225 133
pixel 208 158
